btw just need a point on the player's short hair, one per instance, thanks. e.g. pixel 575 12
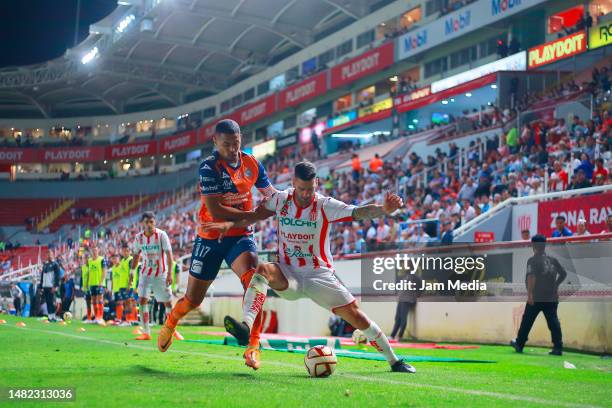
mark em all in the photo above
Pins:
pixel 147 215
pixel 560 217
pixel 228 127
pixel 538 238
pixel 305 170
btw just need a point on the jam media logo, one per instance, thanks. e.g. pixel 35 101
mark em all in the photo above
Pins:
pixel 458 23
pixel 414 41
pixel 501 6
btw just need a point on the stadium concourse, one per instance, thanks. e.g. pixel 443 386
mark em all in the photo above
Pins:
pixel 491 121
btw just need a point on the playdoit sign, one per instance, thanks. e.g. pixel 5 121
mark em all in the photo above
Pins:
pixel 557 50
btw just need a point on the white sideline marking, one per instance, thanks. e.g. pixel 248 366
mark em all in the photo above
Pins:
pixel 352 376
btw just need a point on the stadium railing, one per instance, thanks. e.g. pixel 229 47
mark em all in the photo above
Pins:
pixel 524 200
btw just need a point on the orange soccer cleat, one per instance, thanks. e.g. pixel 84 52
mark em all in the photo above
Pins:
pixel 252 357
pixel 144 336
pixel 164 338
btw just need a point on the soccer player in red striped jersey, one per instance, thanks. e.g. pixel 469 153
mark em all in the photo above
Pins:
pixel 305 267
pixel 152 245
pixel 227 179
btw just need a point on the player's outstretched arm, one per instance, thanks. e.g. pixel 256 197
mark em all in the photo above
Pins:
pixel 217 210
pixel 392 203
pixel 260 213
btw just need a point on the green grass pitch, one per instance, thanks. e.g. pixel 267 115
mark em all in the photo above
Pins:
pixel 110 369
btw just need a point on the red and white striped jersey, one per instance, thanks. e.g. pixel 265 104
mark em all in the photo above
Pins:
pixel 151 250
pixel 304 232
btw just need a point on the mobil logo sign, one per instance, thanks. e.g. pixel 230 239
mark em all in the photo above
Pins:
pixel 457 23
pixel 413 41
pixel 502 6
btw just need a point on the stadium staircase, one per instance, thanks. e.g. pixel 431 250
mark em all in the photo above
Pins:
pixel 48 219
pixel 126 208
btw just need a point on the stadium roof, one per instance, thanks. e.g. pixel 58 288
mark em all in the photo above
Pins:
pixel 172 52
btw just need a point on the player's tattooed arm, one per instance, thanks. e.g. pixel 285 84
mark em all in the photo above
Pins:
pixel 392 203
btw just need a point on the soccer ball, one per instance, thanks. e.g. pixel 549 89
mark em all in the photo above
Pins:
pixel 320 361
pixel 359 338
pixel 67 316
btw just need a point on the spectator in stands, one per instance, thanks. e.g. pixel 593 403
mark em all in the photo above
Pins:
pixel 467 190
pixel 376 164
pixel 512 140
pixel 356 167
pixel 581 228
pixel 561 230
pixel 600 169
pixel 586 166
pixel 558 178
pixel 468 212
pixel 447 233
pixel 580 181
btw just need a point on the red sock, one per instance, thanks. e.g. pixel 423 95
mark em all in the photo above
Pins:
pixel 100 313
pixel 182 307
pixel 245 279
pixel 89 312
pixel 119 312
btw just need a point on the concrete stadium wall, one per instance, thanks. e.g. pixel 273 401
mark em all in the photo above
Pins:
pixel 586 326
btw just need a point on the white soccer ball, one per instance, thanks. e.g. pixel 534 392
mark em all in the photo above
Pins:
pixel 67 316
pixel 320 361
pixel 358 337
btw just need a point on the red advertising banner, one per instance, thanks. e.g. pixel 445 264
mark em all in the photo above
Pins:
pixel 177 143
pixel 303 91
pixel 363 65
pixel 593 208
pixel 124 151
pixel 255 111
pixel 423 97
pixel 484 236
pixel 15 155
pixel 71 154
pixel 206 133
pixel 557 50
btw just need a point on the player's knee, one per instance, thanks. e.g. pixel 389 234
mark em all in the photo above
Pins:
pixel 262 270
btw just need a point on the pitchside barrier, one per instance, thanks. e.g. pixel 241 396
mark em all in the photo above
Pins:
pixel 585 308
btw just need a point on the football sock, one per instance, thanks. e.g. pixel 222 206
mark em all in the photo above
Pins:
pixel 145 321
pixel 89 312
pixel 379 340
pixel 254 299
pixel 119 312
pixel 182 307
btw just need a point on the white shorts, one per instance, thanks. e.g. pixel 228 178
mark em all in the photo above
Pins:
pixel 155 284
pixel 320 285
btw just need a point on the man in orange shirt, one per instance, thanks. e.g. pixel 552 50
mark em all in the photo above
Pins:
pixel 226 180
pixel 376 164
pixel 356 166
